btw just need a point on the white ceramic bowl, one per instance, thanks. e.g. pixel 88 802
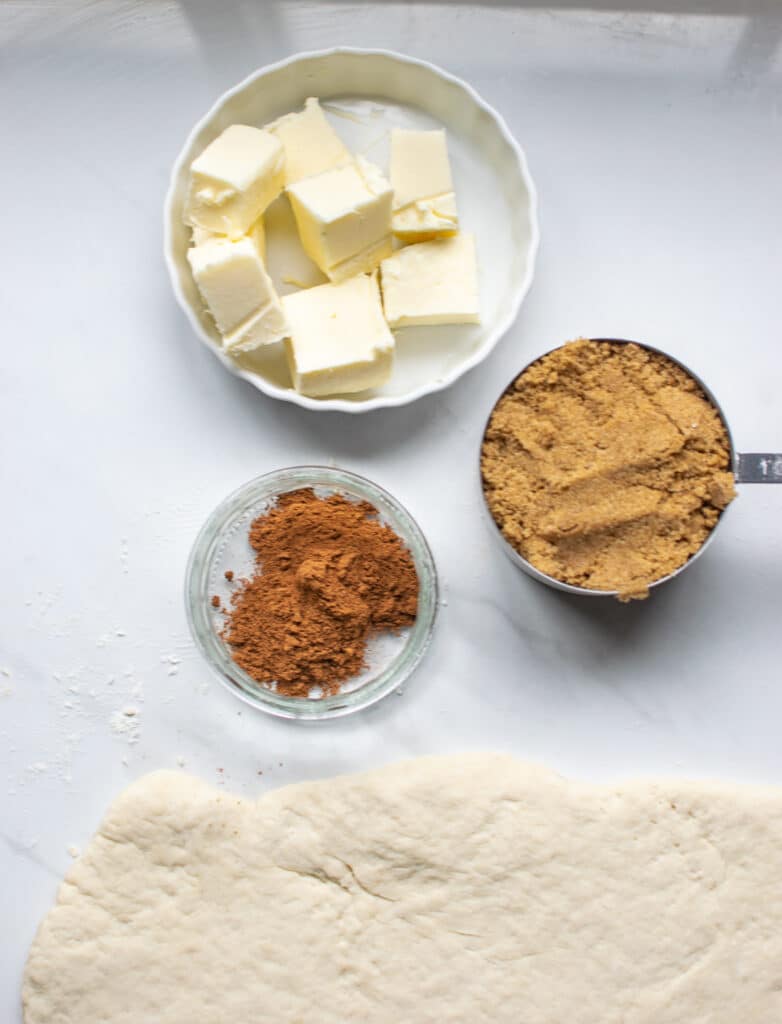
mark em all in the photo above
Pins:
pixel 365 94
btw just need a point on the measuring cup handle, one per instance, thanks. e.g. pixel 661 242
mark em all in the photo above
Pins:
pixel 758 468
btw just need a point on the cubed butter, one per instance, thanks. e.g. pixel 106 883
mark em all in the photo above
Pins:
pixel 233 181
pixel 344 218
pixel 424 201
pixel 256 234
pixel 201 236
pixel 311 145
pixel 426 219
pixel 432 283
pixel 238 292
pixel 339 340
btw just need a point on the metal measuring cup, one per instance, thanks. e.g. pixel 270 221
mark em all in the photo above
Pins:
pixel 748 468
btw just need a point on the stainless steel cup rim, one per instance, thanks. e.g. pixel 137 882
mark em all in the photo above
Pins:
pixel 570 588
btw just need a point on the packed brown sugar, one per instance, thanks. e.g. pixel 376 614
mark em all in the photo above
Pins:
pixel 605 466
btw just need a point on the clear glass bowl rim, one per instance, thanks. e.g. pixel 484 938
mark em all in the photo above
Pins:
pixel 212 648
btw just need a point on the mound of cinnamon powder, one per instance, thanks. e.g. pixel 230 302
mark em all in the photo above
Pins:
pixel 329 575
pixel 606 466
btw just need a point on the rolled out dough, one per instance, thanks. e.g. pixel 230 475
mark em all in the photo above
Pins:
pixel 471 889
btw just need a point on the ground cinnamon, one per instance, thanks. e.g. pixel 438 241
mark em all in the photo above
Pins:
pixel 606 466
pixel 328 575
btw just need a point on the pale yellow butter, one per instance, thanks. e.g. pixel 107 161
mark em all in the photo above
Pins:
pixel 233 181
pixel 201 236
pixel 426 219
pixel 339 341
pixel 424 200
pixel 238 292
pixel 311 145
pixel 344 218
pixel 432 283
pixel 256 234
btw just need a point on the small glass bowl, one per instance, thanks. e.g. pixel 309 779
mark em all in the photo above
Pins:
pixel 223 544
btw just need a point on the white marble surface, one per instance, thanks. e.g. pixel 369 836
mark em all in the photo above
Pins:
pixel 656 142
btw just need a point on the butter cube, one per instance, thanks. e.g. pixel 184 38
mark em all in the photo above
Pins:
pixel 344 218
pixel 339 341
pixel 311 145
pixel 256 234
pixel 426 219
pixel 233 181
pixel 239 293
pixel 432 283
pixel 424 201
pixel 201 235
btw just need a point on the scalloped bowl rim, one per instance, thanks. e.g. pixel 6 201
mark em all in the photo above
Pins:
pixel 381 401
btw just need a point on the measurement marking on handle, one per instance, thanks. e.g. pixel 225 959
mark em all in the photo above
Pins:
pixel 759 468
